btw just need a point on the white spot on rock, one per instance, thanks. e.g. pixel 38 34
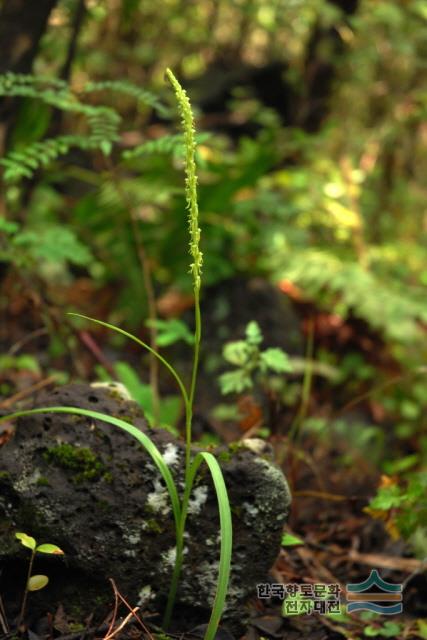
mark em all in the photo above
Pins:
pixel 169 557
pixel 118 387
pixel 145 595
pixel 171 455
pixel 158 499
pixel 251 509
pixel 199 498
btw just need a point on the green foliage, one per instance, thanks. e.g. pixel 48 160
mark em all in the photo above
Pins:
pixel 404 506
pixel 288 540
pixel 53 244
pixel 362 439
pixel 250 361
pixel 30 543
pixel 80 461
pixel 102 122
pixel 85 463
pixel 171 331
pixel 336 217
pixel 347 287
pixel 24 362
pixel 387 630
pixel 167 144
pixel 127 88
pixel 43 248
pixel 170 406
pixel 34 582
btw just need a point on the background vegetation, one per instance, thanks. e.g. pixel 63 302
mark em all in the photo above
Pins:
pixel 312 157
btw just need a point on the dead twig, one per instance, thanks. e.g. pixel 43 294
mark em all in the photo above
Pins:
pixel 95 350
pixel 20 395
pixel 324 495
pixel 406 565
pixel 3 619
pixel 31 336
pixel 132 614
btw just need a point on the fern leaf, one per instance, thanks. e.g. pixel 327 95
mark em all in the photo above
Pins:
pixel 127 88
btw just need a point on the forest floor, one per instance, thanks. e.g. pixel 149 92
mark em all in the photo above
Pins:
pixel 342 541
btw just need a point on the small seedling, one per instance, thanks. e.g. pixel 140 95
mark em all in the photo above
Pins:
pixel 250 361
pixel 34 582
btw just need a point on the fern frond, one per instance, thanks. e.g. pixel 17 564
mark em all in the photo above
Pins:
pixel 164 145
pixel 23 164
pixel 15 82
pixel 348 287
pixel 103 123
pixel 49 90
pixel 127 88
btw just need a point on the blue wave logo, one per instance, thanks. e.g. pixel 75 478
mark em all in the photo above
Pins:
pixel 359 597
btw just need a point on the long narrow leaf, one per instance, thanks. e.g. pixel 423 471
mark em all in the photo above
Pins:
pixel 226 529
pixel 142 344
pixel 148 445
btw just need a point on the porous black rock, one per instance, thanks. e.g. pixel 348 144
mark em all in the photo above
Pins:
pixel 91 488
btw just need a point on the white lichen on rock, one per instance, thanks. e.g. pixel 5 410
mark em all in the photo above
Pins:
pixel 145 595
pixel 258 446
pixel 275 475
pixel 199 497
pixel 132 537
pixel 169 557
pixel 27 480
pixel 251 509
pixel 171 455
pixel 117 387
pixel 158 500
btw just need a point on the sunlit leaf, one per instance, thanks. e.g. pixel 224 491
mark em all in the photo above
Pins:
pixel 277 360
pixel 236 352
pixel 35 583
pixel 253 333
pixel 234 381
pixel 26 540
pixel 288 540
pixel 49 548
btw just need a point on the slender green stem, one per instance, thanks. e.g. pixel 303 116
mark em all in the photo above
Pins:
pixel 142 344
pixel 226 530
pixel 24 599
pixel 189 408
pixel 306 385
pixel 187 121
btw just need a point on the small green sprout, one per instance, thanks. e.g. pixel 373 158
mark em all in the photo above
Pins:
pixel 288 540
pixel 34 582
pixel 249 361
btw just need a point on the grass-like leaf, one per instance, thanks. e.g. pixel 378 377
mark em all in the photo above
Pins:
pixel 168 366
pixel 226 530
pixel 142 438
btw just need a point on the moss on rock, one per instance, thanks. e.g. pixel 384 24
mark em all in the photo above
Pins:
pixel 81 461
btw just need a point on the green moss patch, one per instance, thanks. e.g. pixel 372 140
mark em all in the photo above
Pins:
pixel 81 461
